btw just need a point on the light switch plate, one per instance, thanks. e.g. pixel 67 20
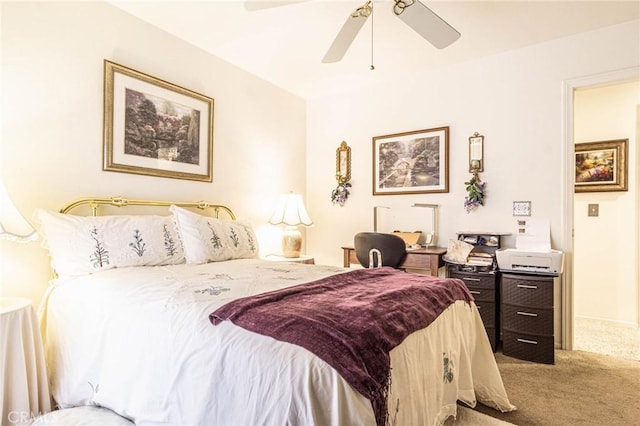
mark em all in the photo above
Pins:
pixel 593 210
pixel 522 208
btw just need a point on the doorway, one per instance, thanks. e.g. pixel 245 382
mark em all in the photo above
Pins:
pixel 601 291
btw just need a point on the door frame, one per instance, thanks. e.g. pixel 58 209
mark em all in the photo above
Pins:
pixel 567 173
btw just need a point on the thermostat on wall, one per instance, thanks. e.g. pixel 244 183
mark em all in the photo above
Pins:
pixel 522 208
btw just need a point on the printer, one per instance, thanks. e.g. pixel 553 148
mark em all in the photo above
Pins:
pixel 533 262
pixel 533 253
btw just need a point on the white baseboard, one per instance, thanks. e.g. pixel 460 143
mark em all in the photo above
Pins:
pixel 609 322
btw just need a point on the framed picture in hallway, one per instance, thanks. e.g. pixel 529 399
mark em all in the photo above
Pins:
pixel 412 162
pixel 155 128
pixel 601 166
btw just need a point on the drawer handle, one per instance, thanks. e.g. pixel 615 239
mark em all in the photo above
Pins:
pixel 527 286
pixel 527 314
pixel 474 292
pixel 531 342
pixel 471 279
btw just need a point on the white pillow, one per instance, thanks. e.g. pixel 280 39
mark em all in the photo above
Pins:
pixel 207 239
pixel 458 251
pixel 80 245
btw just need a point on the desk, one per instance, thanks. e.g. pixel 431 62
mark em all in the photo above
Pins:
pixel 423 260
pixel 24 388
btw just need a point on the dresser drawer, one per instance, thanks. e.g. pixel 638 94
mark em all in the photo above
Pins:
pixel 487 313
pixel 482 294
pixel 529 347
pixel 527 319
pixel 527 291
pixel 418 262
pixel 475 280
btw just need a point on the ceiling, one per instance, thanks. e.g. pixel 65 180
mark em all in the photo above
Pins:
pixel 285 44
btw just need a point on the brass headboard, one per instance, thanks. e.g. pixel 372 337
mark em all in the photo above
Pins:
pixel 94 203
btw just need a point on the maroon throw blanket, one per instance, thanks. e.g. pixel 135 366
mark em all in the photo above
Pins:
pixel 350 320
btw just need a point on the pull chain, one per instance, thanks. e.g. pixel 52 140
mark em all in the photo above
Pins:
pixel 372 67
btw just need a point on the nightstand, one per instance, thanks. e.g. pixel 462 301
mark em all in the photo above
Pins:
pixel 302 259
pixel 24 386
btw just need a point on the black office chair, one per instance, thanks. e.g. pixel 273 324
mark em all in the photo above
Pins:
pixel 374 249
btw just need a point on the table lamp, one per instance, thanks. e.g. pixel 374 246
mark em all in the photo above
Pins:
pixel 12 219
pixel 290 211
pixel 24 379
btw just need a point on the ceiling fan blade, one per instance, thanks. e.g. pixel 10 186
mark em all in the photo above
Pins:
pixel 430 26
pixel 345 37
pixel 252 5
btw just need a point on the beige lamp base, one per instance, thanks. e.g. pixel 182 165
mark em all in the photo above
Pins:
pixel 291 242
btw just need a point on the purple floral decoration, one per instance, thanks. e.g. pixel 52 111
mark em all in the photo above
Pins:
pixel 340 194
pixel 476 196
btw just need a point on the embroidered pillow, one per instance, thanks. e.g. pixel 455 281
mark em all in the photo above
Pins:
pixel 80 245
pixel 207 239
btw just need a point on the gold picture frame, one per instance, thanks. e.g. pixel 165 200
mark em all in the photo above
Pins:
pixel 414 162
pixel 155 128
pixel 601 166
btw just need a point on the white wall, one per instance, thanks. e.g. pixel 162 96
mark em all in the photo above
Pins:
pixel 513 99
pixel 51 147
pixel 50 152
pixel 605 261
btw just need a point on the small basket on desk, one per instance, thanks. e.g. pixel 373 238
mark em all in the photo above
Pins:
pixel 410 238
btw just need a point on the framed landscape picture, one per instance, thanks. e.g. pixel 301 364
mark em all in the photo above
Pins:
pixel 155 128
pixel 601 166
pixel 411 163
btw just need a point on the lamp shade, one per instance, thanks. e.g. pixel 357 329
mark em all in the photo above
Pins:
pixel 290 211
pixel 12 225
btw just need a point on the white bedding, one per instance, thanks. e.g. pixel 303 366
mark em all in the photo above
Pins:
pixel 138 341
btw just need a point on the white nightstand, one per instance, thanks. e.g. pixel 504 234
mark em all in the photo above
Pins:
pixel 24 386
pixel 302 259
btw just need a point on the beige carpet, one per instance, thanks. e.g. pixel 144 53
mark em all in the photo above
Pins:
pixel 606 338
pixel 582 388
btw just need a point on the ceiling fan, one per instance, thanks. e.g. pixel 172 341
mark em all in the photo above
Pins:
pixel 416 15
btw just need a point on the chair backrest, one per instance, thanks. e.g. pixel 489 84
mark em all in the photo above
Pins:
pixel 374 249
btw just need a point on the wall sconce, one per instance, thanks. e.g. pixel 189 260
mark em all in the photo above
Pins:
pixel 343 163
pixel 476 153
pixel 343 174
pixel 474 186
pixel 12 219
pixel 291 212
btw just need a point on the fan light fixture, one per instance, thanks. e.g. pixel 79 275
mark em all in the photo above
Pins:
pixel 416 15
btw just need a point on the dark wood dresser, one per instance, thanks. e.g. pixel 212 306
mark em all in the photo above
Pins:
pixel 482 286
pixel 527 317
pixel 482 281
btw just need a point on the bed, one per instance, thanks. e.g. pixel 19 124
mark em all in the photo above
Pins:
pixel 137 334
